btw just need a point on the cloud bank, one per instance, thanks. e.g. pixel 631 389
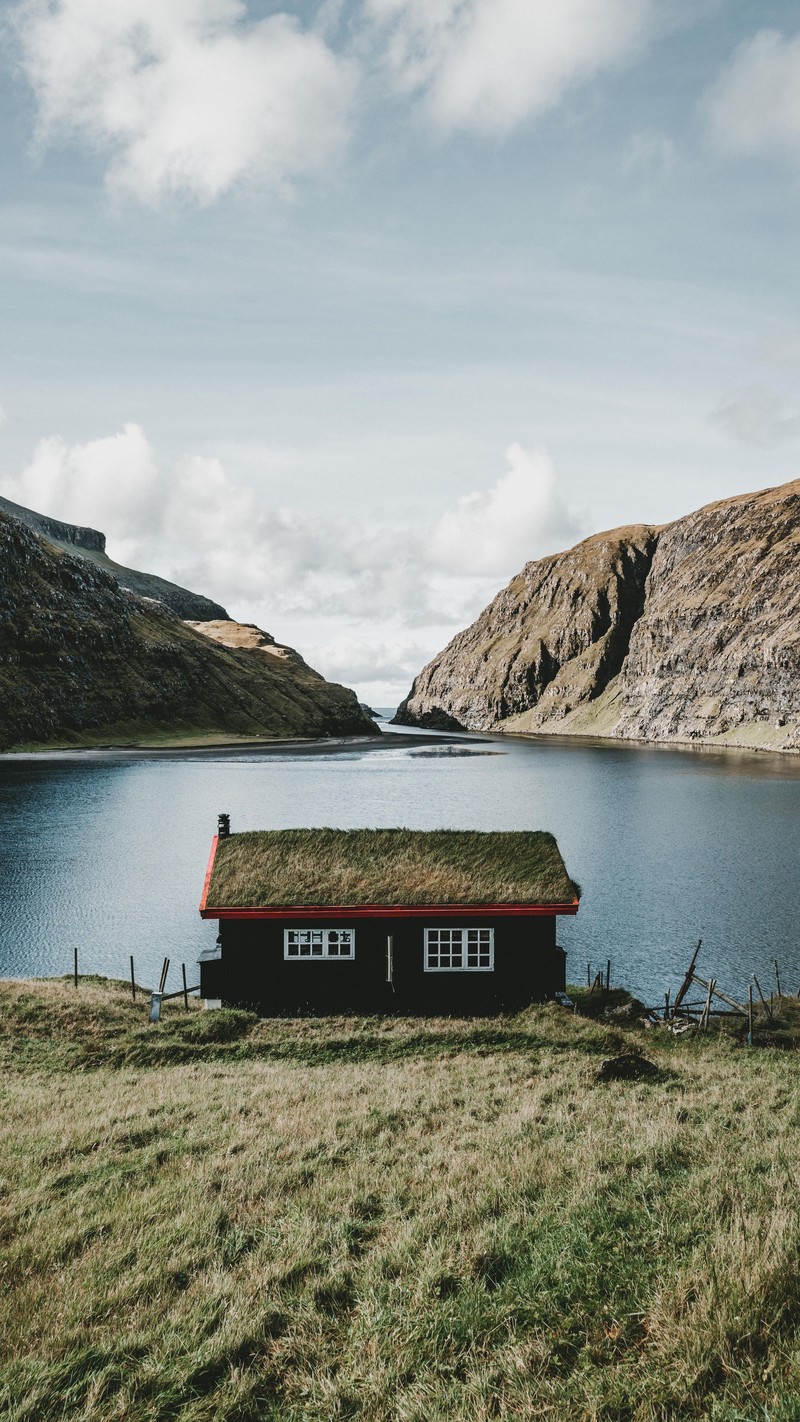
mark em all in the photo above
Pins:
pixel 754 107
pixel 190 522
pixel 187 97
pixel 192 97
pixel 488 65
pixel 493 531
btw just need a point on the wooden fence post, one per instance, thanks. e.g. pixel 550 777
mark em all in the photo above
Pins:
pixel 686 984
pixel 750 1015
pixel 75 965
pixel 185 989
pixel 766 1005
pixel 133 980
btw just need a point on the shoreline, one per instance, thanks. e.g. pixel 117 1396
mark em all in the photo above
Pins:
pixel 594 738
pixel 219 747
pixel 405 738
pixel 637 743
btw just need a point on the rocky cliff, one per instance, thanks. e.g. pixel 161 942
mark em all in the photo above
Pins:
pixel 690 632
pixel 91 543
pixel 82 660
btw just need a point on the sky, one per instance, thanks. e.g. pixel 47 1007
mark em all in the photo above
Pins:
pixel 340 312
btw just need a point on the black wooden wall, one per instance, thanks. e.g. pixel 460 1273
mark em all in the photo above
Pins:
pixel 252 971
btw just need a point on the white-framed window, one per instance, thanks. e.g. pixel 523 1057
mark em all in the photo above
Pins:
pixel 310 943
pixel 459 950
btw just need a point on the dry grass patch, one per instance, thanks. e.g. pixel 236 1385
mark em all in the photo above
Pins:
pixel 450 1233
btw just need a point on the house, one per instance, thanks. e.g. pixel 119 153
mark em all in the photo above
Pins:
pixel 444 922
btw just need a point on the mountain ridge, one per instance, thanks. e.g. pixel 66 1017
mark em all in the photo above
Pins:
pixel 84 660
pixel 90 543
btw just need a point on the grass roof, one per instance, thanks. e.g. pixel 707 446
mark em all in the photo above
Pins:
pixel 305 867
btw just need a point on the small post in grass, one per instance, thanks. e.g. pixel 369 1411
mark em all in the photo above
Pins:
pixel 164 970
pixel 777 976
pixel 75 966
pixel 185 989
pixel 707 1009
pixel 666 1005
pixel 133 980
pixel 588 975
pixel 750 1015
pixel 608 975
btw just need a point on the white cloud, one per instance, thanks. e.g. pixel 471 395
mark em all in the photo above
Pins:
pixel 187 97
pixel 111 484
pixel 191 523
pixel 758 418
pixel 381 661
pixel 3 414
pixel 191 97
pixel 500 529
pixel 754 106
pixel 490 64
pixel 379 667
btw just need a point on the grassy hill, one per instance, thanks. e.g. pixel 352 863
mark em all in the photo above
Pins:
pixel 220 1218
pixel 83 662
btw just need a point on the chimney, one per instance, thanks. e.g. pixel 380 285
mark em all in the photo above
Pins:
pixel 224 826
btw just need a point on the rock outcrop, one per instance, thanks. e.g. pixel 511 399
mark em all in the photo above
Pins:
pixel 91 543
pixel 68 535
pixel 82 661
pixel 716 652
pixel 686 632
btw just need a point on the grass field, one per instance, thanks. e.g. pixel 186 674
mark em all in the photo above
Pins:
pixel 224 1220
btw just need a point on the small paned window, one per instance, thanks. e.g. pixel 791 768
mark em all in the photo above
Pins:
pixel 319 943
pixel 459 950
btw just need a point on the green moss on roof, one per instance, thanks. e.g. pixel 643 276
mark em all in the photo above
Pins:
pixel 323 867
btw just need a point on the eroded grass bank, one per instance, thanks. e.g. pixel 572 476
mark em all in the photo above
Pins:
pixel 222 1219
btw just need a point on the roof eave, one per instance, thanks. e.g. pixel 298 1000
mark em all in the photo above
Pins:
pixel 328 911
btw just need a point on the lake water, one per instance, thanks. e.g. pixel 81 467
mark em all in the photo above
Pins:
pixel 109 851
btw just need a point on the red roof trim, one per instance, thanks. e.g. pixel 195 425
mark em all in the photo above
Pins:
pixel 207 881
pixel 298 913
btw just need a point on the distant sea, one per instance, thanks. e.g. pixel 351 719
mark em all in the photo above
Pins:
pixel 107 852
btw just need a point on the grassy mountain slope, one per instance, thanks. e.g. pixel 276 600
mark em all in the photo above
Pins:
pixel 82 660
